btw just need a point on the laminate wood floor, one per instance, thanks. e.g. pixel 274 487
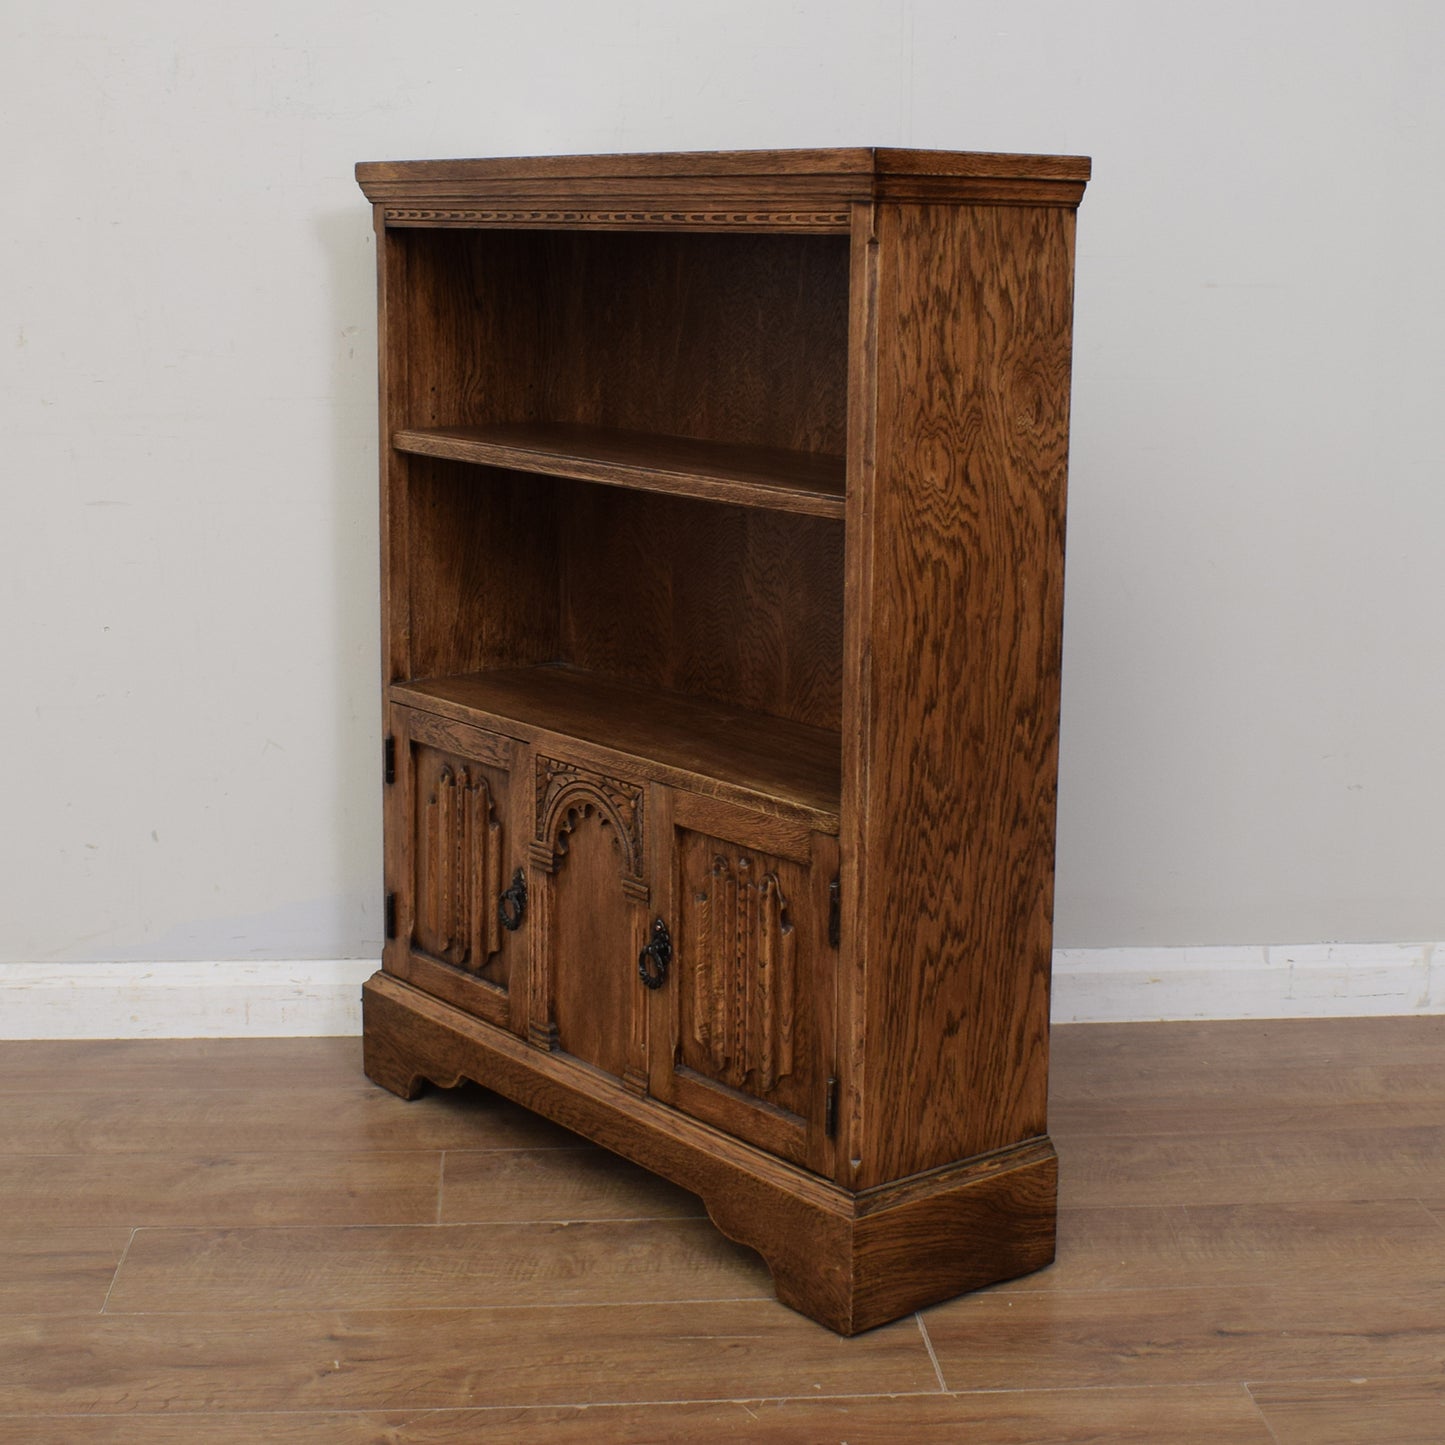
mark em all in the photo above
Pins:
pixel 245 1241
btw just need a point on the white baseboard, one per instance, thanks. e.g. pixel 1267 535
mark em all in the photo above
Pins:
pixel 1091 985
pixel 1313 980
pixel 182 1000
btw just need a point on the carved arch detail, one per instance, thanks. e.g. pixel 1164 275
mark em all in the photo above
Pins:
pixel 567 793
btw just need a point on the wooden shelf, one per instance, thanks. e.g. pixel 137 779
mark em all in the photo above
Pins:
pixel 709 747
pixel 744 476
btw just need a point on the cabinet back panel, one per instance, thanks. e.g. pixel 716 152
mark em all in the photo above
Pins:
pixel 724 338
pixel 472 327
pixel 729 338
pixel 732 604
pixel 483 568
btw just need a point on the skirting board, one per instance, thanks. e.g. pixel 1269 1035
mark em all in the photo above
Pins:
pixel 1312 981
pixel 1091 985
pixel 182 1000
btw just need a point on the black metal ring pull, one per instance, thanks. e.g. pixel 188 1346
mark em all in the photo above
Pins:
pixel 653 960
pixel 513 902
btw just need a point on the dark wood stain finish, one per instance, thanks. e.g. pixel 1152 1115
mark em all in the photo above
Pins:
pixel 965 543
pixel 748 476
pixel 723 552
pixel 730 605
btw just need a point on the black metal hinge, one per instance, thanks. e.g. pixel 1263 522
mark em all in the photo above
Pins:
pixel 388 759
pixel 835 914
pixel 391 915
pixel 830 1109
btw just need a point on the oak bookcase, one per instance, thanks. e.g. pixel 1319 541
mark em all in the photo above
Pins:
pixel 722 540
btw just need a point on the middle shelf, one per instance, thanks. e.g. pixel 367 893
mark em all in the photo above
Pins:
pixel 708 747
pixel 810 483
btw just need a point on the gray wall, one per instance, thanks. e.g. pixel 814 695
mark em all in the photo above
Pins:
pixel 1254 684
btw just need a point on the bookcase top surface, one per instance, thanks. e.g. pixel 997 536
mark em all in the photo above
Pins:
pixel 814 178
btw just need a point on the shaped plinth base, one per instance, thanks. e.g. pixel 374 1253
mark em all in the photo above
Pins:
pixel 849 1261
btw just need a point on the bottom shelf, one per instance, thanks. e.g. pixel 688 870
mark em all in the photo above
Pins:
pixel 709 747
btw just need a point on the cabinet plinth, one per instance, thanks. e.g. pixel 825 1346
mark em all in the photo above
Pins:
pixel 722 565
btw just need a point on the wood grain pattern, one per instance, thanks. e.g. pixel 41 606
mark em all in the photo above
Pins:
pixel 133 1189
pixel 591 924
pixel 1252 1076
pixel 1346 1412
pixel 781 766
pixel 1221 1168
pixel 561 1355
pixel 458 1266
pixel 748 1019
pixel 481 580
pixel 740 1008
pixel 468 334
pixel 459 852
pixel 732 339
pixel 262 1120
pixel 1009 1340
pixel 62 1066
pixel 1221 1415
pixel 1370 1242
pixel 764 166
pixel 728 339
pixel 1258 1295
pixel 460 834
pixel 620 390
pixel 744 476
pixel 851 1262
pixel 711 190
pixel 556 1185
pixel 45 1269
pixel 728 605
pixel 965 560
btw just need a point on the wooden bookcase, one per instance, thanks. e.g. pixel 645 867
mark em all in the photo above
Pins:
pixel 722 538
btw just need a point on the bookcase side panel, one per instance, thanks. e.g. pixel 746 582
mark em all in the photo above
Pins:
pixel 392 325
pixel 958 586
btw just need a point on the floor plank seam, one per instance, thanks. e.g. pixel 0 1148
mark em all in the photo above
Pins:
pixel 1260 1411
pixel 228 1410
pixel 119 1264
pixel 932 1353
pixel 1202 1387
pixel 410 1309
pixel 1317 1313
pixel 1296 1382
pixel 1362 1289
pixel 486 1223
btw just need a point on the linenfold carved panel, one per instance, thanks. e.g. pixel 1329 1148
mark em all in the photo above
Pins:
pixel 459 867
pixel 566 792
pixel 742 968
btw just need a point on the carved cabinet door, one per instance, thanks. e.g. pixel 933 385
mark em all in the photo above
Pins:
pixel 456 863
pixel 589 884
pixel 742 1014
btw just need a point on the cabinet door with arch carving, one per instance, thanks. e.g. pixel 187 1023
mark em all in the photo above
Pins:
pixel 456 866
pixel 742 1015
pixel 591 895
